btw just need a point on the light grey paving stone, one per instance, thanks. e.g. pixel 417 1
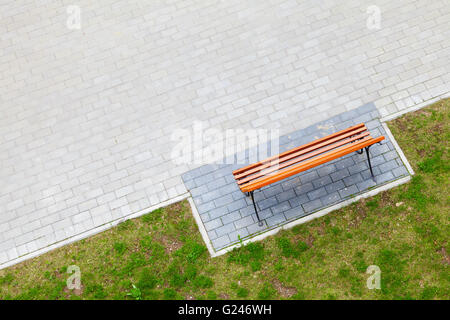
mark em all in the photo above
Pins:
pixel 280 208
pixel 276 219
pixel 212 235
pixel 264 214
pixel 304 188
pixel 211 195
pixel 335 186
pixel 388 166
pixel 400 171
pixel 358 168
pixel 223 200
pixel 225 229
pixel 294 213
pixel 235 235
pixel 273 190
pixel 249 210
pixel 221 242
pixel 307 177
pixel 390 155
pixel 217 212
pixel 244 222
pixel 236 205
pixel 367 175
pixel 267 203
pixel 348 191
pixel 233 216
pixel 317 193
pixel 286 195
pixel 322 182
pixel 330 198
pixel 377 149
pixel 205 207
pixel 258 195
pixel 344 163
pixel 213 224
pixel 366 184
pixel 255 227
pixel 312 205
pixel 353 179
pixel 384 177
pixel 326 170
pixel 339 175
pixel 376 161
pixel 216 183
pixel 229 188
pixel 299 200
pixel 238 195
pixel 290 183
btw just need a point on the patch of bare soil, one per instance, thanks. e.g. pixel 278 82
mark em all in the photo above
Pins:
pixel 170 244
pixel 361 214
pixel 173 211
pixel 224 296
pixel 444 253
pixel 309 240
pixel 285 292
pixel 78 292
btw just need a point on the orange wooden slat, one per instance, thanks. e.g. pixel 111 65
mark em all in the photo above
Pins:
pixel 361 125
pixel 307 153
pixel 309 164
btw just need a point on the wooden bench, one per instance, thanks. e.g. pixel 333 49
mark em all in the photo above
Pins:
pixel 299 159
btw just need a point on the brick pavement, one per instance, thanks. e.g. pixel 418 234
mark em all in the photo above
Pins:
pixel 86 115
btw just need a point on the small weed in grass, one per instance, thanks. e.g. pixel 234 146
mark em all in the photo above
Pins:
pixel 434 164
pixel 372 204
pixel 242 292
pixel 203 282
pixel 96 290
pixel 266 292
pixel 120 247
pixel 416 192
pixel 147 280
pixel 6 279
pixel 170 294
pixel 254 251
pixel 153 216
pixel 344 272
pixel 211 295
pixel 135 293
pixel 126 225
pixel 288 249
pixel 358 262
pixel 191 251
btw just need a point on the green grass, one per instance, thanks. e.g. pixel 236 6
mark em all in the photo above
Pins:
pixel 161 255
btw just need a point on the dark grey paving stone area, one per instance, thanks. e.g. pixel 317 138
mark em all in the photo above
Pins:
pixel 228 214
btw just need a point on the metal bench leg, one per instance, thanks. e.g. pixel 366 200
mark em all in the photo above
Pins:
pixel 256 210
pixel 368 160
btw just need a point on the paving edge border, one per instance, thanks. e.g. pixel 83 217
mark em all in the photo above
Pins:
pixel 415 107
pixel 93 231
